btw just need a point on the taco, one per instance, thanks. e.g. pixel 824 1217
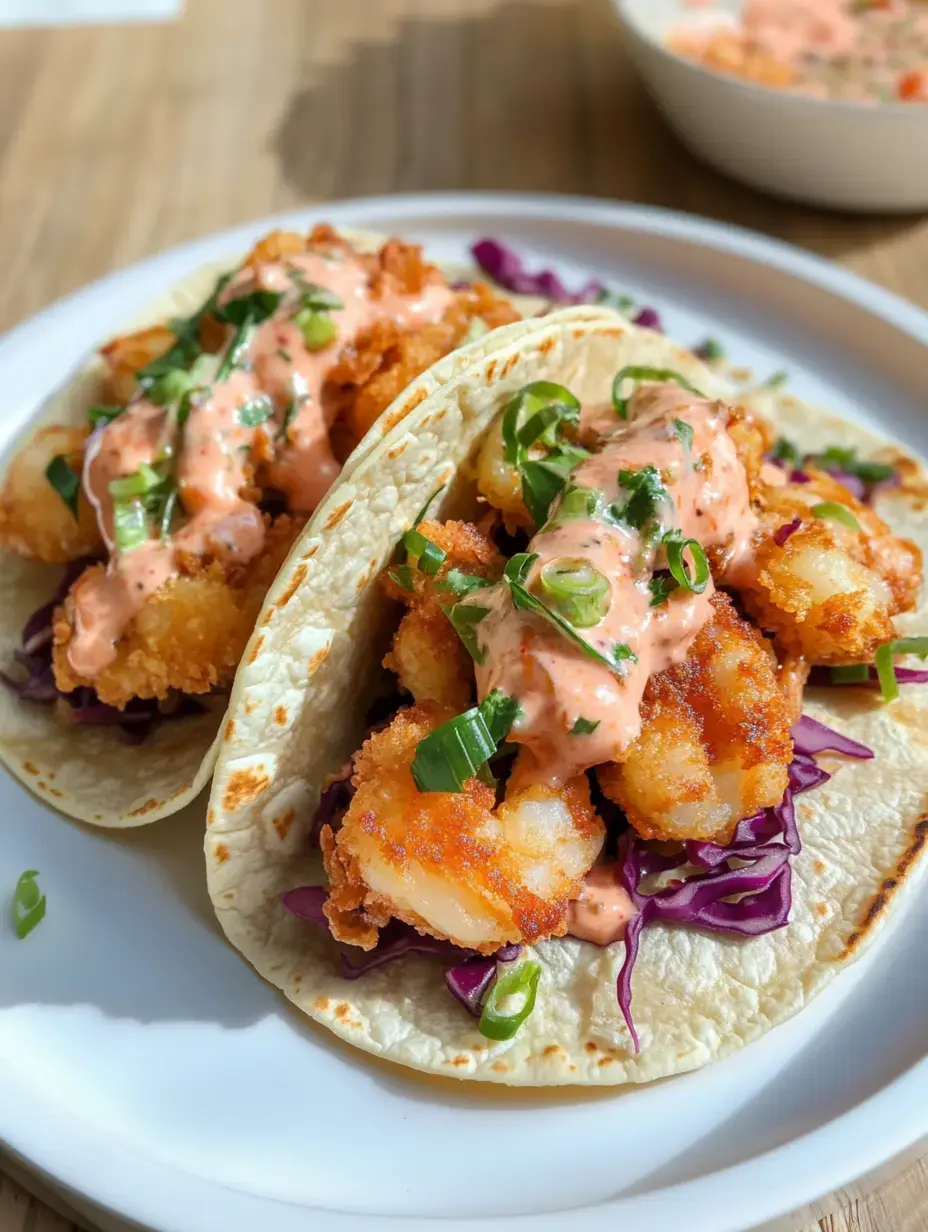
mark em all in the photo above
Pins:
pixel 172 476
pixel 569 747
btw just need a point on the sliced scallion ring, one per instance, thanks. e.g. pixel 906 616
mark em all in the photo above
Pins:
pixel 316 326
pixel 28 904
pixel 578 591
pixel 528 401
pixel 497 1024
pixel 831 511
pixel 694 580
pixel 885 669
pixel 465 617
pixel 852 673
pixel 638 373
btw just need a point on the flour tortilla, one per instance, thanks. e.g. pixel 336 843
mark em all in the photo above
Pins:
pixel 89 773
pixel 297 712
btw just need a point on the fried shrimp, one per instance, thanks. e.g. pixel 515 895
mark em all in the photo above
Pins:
pixel 455 866
pixel 427 654
pixel 499 481
pixel 191 633
pixel 386 358
pixel 126 355
pixel 826 590
pixel 34 521
pixel 715 739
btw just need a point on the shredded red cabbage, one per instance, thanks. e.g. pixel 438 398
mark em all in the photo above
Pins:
pixel 649 318
pixel 135 721
pixel 335 798
pixel 811 737
pixel 782 533
pixel 505 266
pixel 762 878
pixel 470 981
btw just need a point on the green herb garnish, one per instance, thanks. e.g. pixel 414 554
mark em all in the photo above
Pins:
pixel 28 904
pixel 831 511
pixel 255 412
pixel 694 580
pixel 661 588
pixel 637 373
pixel 496 1024
pixel 885 669
pixel 684 433
pixel 584 727
pixel 454 752
pixel 577 591
pixel 465 617
pixel 65 480
pixel 103 414
pixel 422 553
pixel 646 495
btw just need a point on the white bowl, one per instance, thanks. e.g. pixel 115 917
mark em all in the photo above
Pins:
pixel 849 155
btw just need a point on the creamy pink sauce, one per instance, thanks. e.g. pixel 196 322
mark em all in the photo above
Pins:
pixel 213 451
pixel 827 48
pixel 604 908
pixel 555 682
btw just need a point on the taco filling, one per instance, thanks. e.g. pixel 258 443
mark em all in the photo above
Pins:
pixel 217 437
pixel 606 672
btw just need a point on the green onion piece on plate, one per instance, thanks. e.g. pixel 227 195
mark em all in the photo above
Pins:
pixel 28 904
pixel 831 511
pixel 145 479
pixel 316 326
pixel 130 524
pixel 851 673
pixel 457 750
pixel 65 480
pixel 578 591
pixel 497 1023
pixel 885 669
pixel 423 554
pixel 694 579
pixel 638 373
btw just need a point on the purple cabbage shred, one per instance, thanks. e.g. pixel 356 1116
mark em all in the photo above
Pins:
pixel 782 533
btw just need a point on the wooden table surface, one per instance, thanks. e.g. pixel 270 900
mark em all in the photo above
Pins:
pixel 116 142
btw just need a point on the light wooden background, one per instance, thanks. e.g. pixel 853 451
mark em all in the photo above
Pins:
pixel 116 142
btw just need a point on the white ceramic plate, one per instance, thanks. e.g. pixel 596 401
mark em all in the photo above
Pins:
pixel 145 1067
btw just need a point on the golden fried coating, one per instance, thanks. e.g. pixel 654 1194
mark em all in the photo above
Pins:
pixel 454 866
pixel 499 481
pixel 380 364
pixel 34 520
pixel 125 355
pixel 190 635
pixel 829 592
pixel 427 655
pixel 715 739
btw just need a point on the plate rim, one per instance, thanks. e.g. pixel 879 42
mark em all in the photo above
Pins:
pixel 818 1162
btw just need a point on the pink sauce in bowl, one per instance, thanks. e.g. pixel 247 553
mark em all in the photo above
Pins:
pixel 869 51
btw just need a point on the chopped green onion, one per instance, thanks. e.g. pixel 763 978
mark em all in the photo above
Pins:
pixel 684 432
pixel 584 727
pixel 256 411
pixel 786 451
pixel 853 673
pixel 515 573
pixel 836 458
pixel 465 617
pixel 661 589
pixel 694 580
pixel 885 670
pixel 543 479
pixel 576 502
pixel 636 373
pixel 65 480
pixel 423 554
pixel 186 348
pixel 316 326
pixel 522 981
pixel 543 425
pixel 831 511
pixel 529 400
pixel 425 508
pixel 145 479
pixel 776 379
pixel 170 387
pixel 580 593
pixel 711 349
pixel 167 514
pixel 646 494
pixel 454 752
pixel 317 297
pixel 130 524
pixel 103 414
pixel 402 575
pixel 621 303
pixel 284 354
pixel 245 313
pixel 461 584
pixel 28 904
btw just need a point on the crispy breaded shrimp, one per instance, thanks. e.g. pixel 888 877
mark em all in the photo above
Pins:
pixel 499 482
pixel 191 633
pixel 454 866
pixel 34 520
pixel 380 364
pixel 427 655
pixel 714 742
pixel 125 355
pixel 828 592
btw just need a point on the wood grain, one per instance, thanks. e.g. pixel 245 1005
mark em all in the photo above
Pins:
pixel 116 142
